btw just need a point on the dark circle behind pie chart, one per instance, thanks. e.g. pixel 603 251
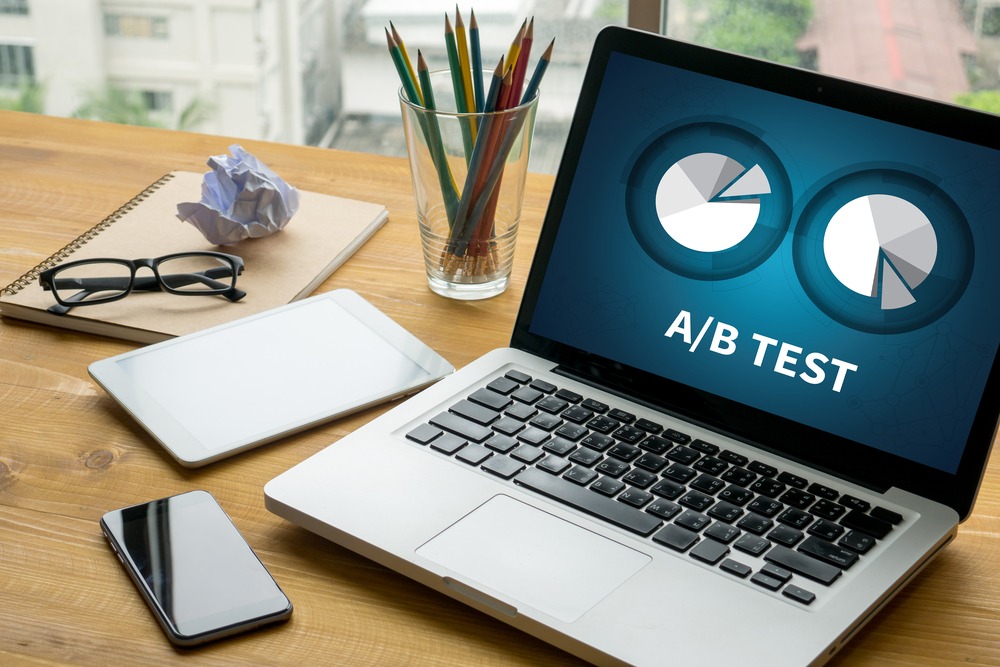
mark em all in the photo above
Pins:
pixel 664 151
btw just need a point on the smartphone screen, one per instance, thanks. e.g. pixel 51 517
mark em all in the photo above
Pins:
pixel 194 569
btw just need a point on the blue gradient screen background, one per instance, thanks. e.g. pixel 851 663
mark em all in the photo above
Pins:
pixel 914 393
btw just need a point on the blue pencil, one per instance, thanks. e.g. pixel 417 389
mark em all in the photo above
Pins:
pixel 477 62
pixel 536 77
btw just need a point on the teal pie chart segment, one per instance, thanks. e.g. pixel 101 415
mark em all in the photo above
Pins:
pixel 708 201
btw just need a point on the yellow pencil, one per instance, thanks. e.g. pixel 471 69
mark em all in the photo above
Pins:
pixel 515 46
pixel 406 61
pixel 463 62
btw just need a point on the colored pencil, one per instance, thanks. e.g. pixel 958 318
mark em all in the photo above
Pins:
pixel 458 84
pixel 536 77
pixel 462 44
pixel 522 62
pixel 477 62
pixel 409 83
pixel 449 189
pixel 406 60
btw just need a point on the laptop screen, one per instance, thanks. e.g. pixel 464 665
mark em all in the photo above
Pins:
pixel 776 251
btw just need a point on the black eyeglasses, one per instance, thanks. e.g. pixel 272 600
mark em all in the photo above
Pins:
pixel 88 282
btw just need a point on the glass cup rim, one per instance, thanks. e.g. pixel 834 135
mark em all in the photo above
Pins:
pixel 462 114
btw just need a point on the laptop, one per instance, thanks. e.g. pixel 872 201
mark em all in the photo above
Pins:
pixel 752 384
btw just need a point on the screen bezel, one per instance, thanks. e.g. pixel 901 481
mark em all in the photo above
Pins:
pixel 839 456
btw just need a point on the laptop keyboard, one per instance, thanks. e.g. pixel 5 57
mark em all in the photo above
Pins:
pixel 688 495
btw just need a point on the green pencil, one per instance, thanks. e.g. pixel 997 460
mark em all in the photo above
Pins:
pixel 449 189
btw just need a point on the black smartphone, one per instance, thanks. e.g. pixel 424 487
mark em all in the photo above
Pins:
pixel 194 569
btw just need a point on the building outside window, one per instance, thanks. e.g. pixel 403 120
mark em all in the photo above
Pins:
pixel 318 71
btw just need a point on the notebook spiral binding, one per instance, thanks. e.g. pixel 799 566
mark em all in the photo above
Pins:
pixel 63 253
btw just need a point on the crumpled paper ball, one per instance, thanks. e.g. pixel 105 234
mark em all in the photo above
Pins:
pixel 240 198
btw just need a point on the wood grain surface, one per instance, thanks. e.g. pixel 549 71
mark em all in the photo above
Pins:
pixel 68 453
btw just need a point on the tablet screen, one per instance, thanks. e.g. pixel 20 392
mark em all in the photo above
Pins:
pixel 269 374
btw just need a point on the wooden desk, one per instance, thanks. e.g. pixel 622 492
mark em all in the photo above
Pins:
pixel 68 453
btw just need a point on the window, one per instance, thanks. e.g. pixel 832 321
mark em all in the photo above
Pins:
pixel 14 7
pixel 17 66
pixel 143 27
pixel 158 100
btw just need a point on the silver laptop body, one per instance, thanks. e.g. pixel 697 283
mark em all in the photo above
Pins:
pixel 751 389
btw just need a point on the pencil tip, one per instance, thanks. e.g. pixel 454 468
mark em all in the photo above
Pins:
pixel 447 23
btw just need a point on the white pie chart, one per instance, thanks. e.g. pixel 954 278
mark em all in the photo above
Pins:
pixel 709 202
pixel 881 246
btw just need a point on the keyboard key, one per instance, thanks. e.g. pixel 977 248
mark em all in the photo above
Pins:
pixel 830 553
pixel 710 551
pixel 704 447
pixel 546 421
pixel 827 530
pixel 823 491
pixel 423 434
pixel 708 484
pixel 767 581
pixel 755 523
pixel 858 520
pixel 677 436
pixel 461 427
pixel 736 568
pixel 855 503
pixel 752 544
pixel 733 458
pixel 526 395
pixel 693 520
pixel 612 467
pixel 474 412
pixel 635 497
pixel 607 486
pixel 568 395
pixel 656 444
pixel 558 445
pixel 580 475
pixel 621 415
pixel 552 405
pixel 474 454
pixel 504 467
pixel 629 434
pixel 603 424
pixel 501 443
pixel 766 486
pixel 639 478
pixel 553 464
pixel 800 563
pixel 762 469
pixel 503 385
pixel 722 532
pixel 711 465
pixel 490 399
pixel 648 426
pixel 577 414
pixel 886 515
pixel 765 506
pixel 798 594
pixel 679 473
pixel 663 508
pixel 828 509
pixel 857 541
pixel 542 386
pixel 533 436
pixel 736 495
pixel 596 406
pixel 624 452
pixel 587 457
pixel 795 518
pixel 797 498
pixel 520 411
pixel 724 511
pixel 696 500
pixel 449 443
pixel 683 454
pixel 597 442
pixel 739 476
pixel 589 502
pixel 651 462
pixel 517 376
pixel 786 535
pixel 776 571
pixel 572 431
pixel 527 453
pixel 667 489
pixel 676 537
pixel 793 480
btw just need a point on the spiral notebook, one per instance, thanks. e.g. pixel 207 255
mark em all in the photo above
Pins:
pixel 280 268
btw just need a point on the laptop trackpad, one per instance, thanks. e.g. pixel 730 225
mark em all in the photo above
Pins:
pixel 532 558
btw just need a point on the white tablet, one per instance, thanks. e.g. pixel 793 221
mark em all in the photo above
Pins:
pixel 208 395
